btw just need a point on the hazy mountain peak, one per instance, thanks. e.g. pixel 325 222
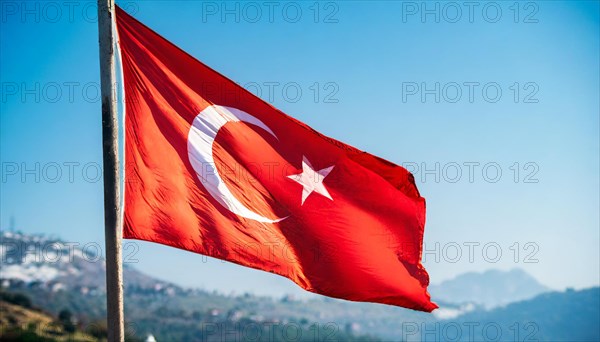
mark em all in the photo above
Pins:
pixel 490 288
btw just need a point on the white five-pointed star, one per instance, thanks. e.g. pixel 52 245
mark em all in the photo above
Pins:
pixel 311 180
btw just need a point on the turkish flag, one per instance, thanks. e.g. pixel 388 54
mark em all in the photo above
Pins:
pixel 211 168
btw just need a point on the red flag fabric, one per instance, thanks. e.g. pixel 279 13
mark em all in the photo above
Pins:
pixel 211 168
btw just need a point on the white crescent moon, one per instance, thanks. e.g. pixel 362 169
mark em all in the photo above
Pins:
pixel 202 134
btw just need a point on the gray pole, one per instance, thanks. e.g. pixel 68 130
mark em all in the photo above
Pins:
pixel 112 215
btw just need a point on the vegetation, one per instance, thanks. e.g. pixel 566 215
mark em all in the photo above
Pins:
pixel 21 321
pixel 25 323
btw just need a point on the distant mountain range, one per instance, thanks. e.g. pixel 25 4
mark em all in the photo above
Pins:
pixel 58 276
pixel 489 289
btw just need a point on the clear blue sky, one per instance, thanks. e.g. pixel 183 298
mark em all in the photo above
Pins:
pixel 371 61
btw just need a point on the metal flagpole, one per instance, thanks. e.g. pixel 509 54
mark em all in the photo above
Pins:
pixel 112 216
